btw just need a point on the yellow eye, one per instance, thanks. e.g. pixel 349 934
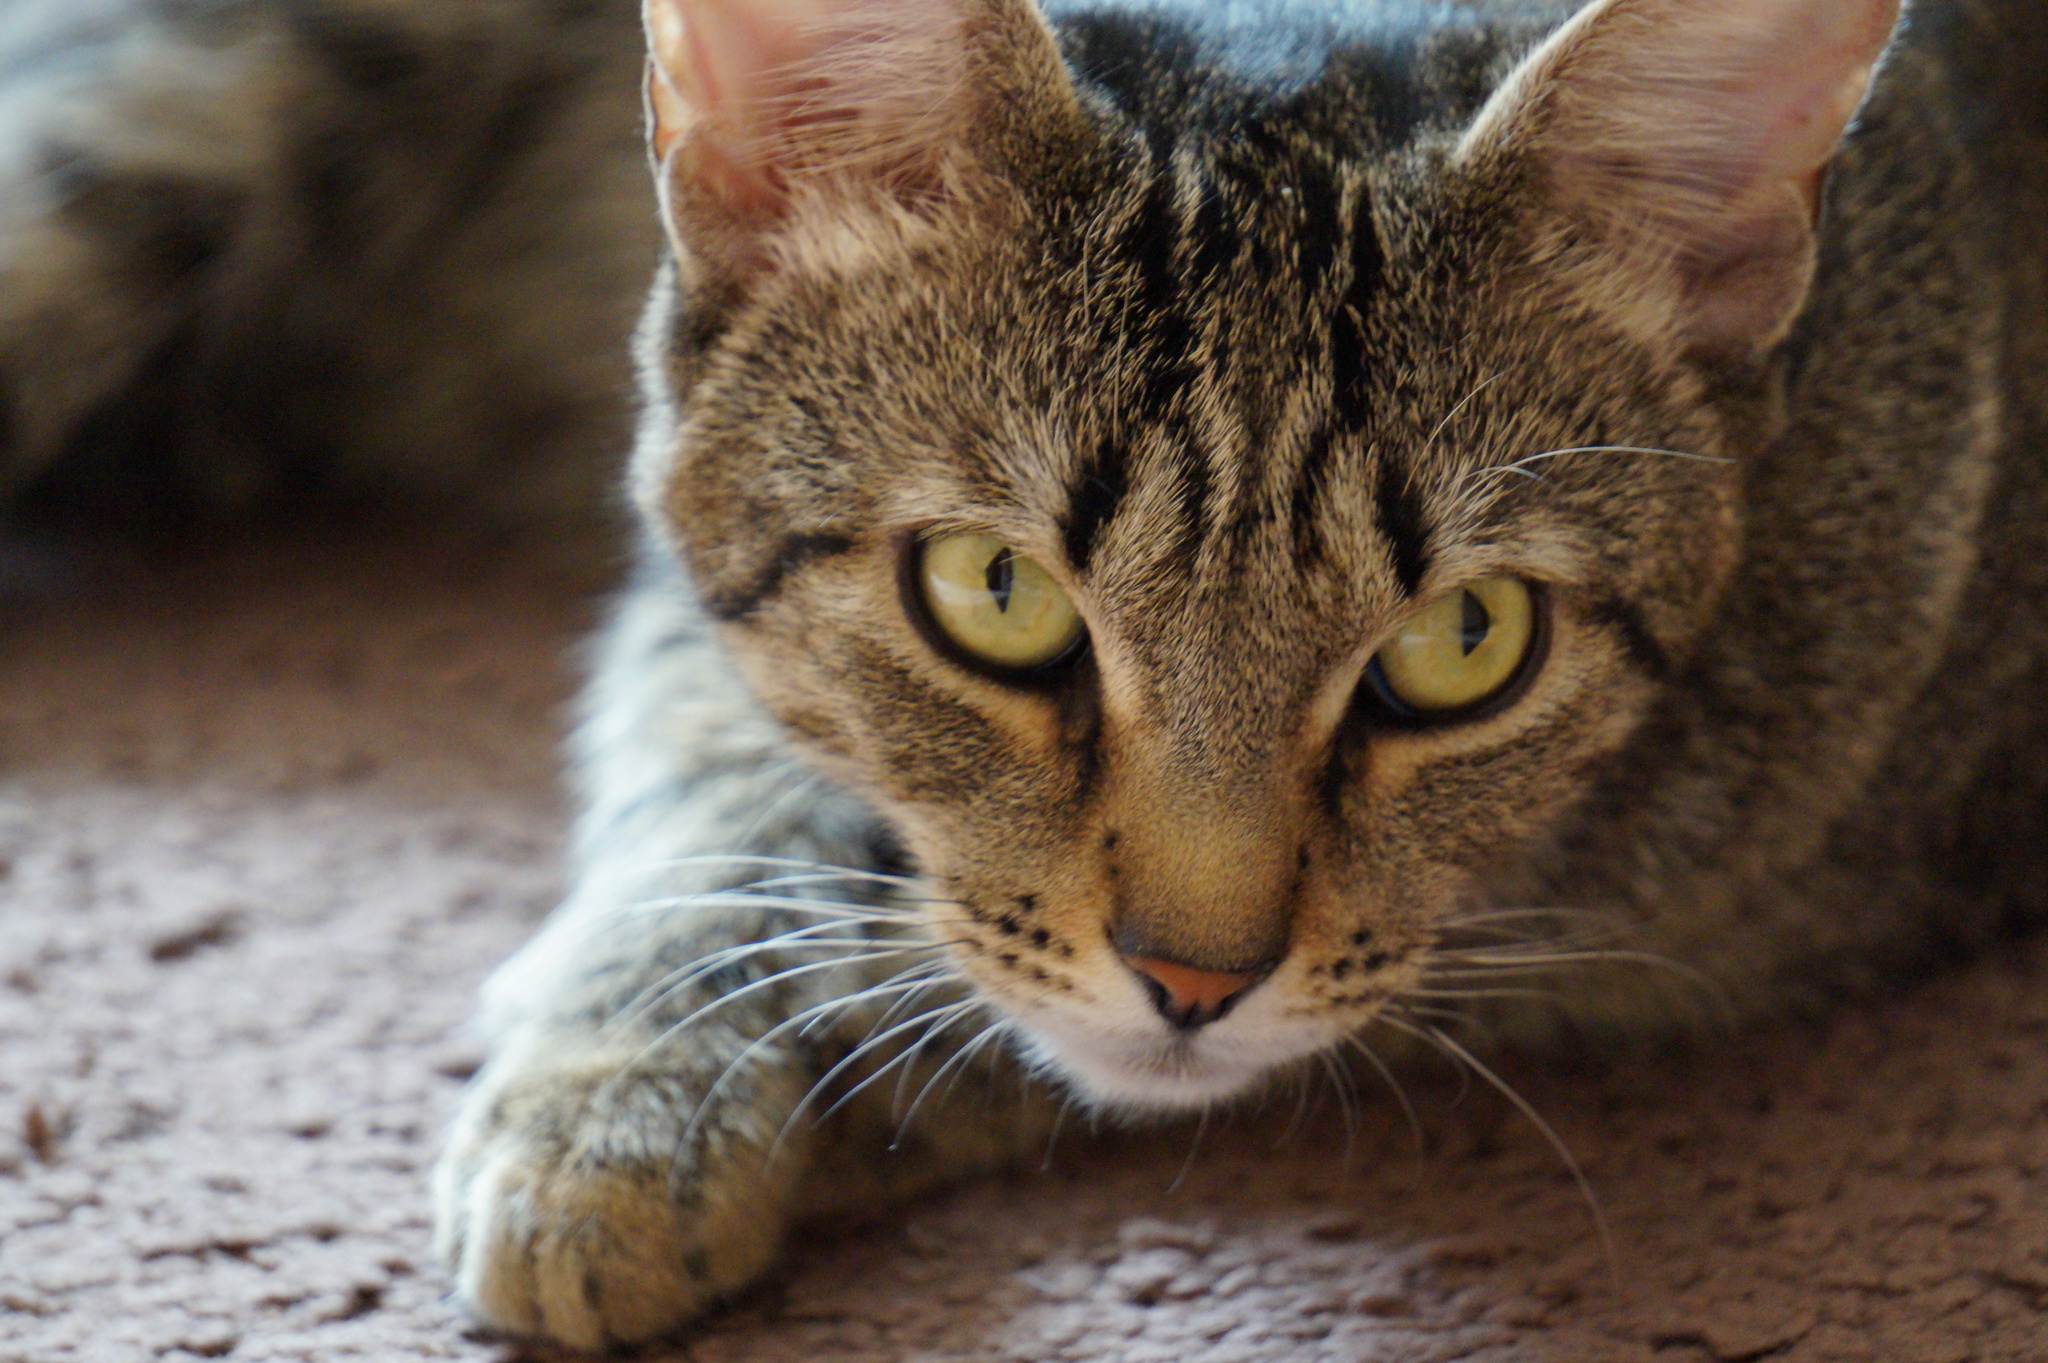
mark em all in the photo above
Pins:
pixel 1460 650
pixel 995 604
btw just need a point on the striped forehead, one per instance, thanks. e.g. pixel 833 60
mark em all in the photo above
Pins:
pixel 1224 442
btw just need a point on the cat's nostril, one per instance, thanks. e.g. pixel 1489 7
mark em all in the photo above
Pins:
pixel 1189 997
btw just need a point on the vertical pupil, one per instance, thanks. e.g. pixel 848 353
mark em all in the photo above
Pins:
pixel 1473 623
pixel 1001 577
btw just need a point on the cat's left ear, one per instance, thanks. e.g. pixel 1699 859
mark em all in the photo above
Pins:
pixel 1676 149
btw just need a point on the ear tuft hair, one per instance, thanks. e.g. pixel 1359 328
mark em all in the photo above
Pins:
pixel 1690 137
pixel 753 100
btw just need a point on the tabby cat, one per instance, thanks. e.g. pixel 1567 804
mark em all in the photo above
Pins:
pixel 1170 531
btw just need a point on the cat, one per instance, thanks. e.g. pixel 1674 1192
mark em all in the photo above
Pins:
pixel 1252 501
pixel 1171 536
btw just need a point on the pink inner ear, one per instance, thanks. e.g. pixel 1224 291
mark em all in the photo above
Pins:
pixel 722 55
pixel 1701 114
pixel 1690 136
pixel 769 93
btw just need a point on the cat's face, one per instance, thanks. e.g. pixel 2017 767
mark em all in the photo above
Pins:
pixel 1219 555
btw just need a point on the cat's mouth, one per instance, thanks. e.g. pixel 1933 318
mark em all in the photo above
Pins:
pixel 1138 1063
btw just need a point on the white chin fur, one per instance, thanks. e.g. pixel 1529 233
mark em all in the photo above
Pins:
pixel 1159 1074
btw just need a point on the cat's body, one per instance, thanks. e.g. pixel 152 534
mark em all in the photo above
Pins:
pixel 1243 324
pixel 252 250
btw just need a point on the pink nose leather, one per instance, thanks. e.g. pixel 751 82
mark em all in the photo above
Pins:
pixel 1192 991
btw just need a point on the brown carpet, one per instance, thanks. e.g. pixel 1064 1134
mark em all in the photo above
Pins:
pixel 269 811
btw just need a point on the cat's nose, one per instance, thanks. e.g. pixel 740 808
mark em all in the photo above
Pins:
pixel 1188 997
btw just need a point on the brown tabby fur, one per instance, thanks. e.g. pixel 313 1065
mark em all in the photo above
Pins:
pixel 1231 318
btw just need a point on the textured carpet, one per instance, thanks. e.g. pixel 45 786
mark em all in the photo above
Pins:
pixel 269 811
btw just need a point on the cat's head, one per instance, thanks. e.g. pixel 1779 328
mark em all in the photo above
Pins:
pixel 1219 519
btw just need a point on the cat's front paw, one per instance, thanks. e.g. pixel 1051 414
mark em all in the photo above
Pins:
pixel 584 1200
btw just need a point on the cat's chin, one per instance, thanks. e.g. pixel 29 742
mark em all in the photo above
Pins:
pixel 1162 1074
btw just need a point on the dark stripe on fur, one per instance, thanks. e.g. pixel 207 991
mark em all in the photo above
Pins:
pixel 1322 227
pixel 1148 243
pixel 794 553
pixel 1216 240
pixel 1350 404
pixel 1152 244
pixel 1349 392
pixel 1094 501
pixel 162 228
pixel 1168 373
pixel 1402 522
pixel 1306 505
pixel 1626 619
pixel 365 54
pixel 1080 719
pixel 1162 334
pixel 1196 483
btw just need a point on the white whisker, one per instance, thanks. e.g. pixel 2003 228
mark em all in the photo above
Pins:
pixel 801 1019
pixel 1505 992
pixel 904 1075
pixel 933 1020
pixel 654 995
pixel 768 811
pixel 1052 1138
pixel 1517 915
pixel 959 1059
pixel 1400 1094
pixel 709 859
pixel 1303 1091
pixel 1463 403
pixel 698 1015
pixel 1340 1082
pixel 1520 467
pixel 740 897
pixel 806 1019
pixel 931 972
pixel 1528 1110
pixel 1194 1147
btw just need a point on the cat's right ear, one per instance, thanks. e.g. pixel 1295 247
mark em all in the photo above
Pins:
pixel 760 111
pixel 1669 155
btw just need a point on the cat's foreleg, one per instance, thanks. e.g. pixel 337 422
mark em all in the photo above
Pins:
pixel 668 1051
